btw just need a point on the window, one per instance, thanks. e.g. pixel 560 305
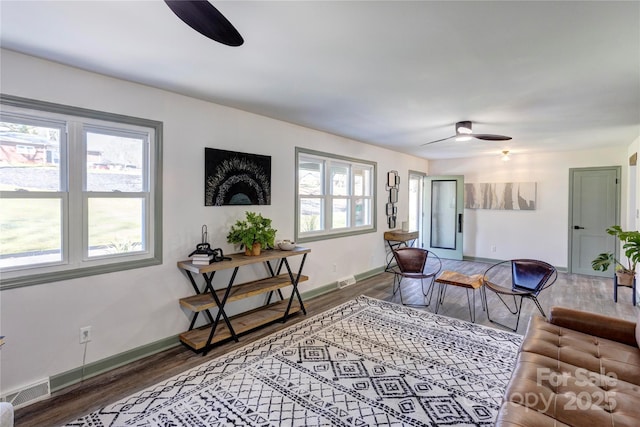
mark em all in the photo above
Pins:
pixel 335 196
pixel 80 192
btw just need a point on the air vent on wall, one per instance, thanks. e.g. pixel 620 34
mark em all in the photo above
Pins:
pixel 346 281
pixel 29 394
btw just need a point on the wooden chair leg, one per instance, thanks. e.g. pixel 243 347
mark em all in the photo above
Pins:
pixel 472 314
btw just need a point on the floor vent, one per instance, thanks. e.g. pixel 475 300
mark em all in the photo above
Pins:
pixel 29 394
pixel 346 281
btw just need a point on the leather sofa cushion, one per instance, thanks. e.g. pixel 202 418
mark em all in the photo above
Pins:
pixel 568 378
pixel 602 326
pixel 582 350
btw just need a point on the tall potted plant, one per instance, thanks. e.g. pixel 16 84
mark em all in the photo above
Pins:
pixel 253 233
pixel 631 247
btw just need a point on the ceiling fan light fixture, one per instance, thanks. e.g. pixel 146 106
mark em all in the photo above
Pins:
pixel 465 133
pixel 463 128
pixel 505 156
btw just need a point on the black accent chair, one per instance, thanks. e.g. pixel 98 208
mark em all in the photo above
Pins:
pixel 518 278
pixel 416 263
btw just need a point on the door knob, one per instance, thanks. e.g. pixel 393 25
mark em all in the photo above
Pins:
pixel 577 227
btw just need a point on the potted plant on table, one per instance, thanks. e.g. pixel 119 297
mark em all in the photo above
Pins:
pixel 631 247
pixel 253 233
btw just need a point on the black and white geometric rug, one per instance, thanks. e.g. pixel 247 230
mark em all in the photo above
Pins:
pixel 364 363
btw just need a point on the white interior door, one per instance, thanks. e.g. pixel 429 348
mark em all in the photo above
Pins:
pixel 443 224
pixel 594 206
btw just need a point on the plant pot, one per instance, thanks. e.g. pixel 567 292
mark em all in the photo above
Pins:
pixel 625 278
pixel 254 250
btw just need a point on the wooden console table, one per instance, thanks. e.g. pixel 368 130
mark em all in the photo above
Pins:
pixel 203 338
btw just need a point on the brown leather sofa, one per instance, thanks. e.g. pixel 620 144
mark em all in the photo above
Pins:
pixel 575 369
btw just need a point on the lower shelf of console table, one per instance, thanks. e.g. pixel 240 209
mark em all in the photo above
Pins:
pixel 244 322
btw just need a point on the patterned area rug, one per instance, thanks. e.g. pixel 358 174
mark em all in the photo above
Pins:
pixel 364 363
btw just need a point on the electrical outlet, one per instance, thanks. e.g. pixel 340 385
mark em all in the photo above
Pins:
pixel 85 334
pixel 493 248
pixel 335 268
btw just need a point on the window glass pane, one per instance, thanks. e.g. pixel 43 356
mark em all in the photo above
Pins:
pixel 443 214
pixel 30 231
pixel 339 180
pixel 311 218
pixel 310 177
pixel 363 212
pixel 30 157
pixel 116 226
pixel 114 163
pixel 362 182
pixel 340 213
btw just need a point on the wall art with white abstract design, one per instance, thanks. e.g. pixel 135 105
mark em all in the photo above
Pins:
pixel 234 178
pixel 503 196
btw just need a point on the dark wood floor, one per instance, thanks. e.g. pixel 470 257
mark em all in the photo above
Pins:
pixel 581 292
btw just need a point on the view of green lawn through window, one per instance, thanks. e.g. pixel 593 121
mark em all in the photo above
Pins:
pixel 30 227
pixel 115 225
pixel 35 194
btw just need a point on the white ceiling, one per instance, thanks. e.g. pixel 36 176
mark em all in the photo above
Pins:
pixel 553 75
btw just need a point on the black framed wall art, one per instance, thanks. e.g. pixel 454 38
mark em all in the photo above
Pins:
pixel 235 178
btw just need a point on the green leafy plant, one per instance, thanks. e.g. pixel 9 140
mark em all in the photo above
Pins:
pixel 124 246
pixel 309 222
pixel 255 228
pixel 631 247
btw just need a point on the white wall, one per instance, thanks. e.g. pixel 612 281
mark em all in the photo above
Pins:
pixel 542 233
pixel 136 307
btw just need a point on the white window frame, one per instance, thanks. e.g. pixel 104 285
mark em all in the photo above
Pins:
pixel 74 123
pixel 327 231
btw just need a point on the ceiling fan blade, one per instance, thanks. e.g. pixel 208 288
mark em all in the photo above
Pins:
pixel 437 140
pixel 490 137
pixel 203 17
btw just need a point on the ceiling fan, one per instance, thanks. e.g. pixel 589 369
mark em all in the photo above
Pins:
pixel 464 133
pixel 203 17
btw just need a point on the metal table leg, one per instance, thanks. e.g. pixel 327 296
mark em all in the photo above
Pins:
pixel 195 286
pixel 221 311
pixel 294 282
pixel 270 295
